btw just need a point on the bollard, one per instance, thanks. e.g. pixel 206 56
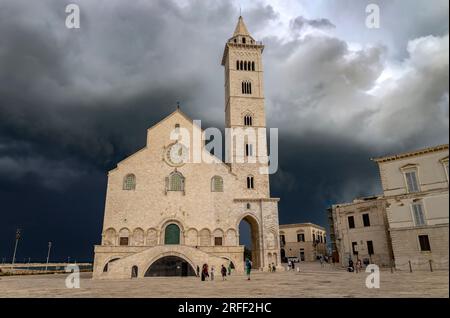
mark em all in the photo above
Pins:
pixel 431 265
pixel 410 268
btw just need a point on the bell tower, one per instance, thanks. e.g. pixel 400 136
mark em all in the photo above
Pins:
pixel 244 109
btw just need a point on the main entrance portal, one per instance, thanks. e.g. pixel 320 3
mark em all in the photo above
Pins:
pixel 170 266
pixel 254 246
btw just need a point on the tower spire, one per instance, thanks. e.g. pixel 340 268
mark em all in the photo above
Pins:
pixel 241 28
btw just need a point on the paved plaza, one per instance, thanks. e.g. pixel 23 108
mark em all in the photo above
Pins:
pixel 311 281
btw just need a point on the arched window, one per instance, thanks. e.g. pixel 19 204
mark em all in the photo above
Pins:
pixel 237 65
pixel 243 40
pixel 172 235
pixel 175 182
pixel 246 87
pixel 242 65
pixel 217 184
pixel 250 182
pixel 253 66
pixel 245 65
pixel 129 182
pixel 248 120
pixel 248 150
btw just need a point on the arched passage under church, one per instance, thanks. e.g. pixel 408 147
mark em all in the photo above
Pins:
pixel 249 237
pixel 170 266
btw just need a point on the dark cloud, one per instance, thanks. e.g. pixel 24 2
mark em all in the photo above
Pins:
pixel 300 23
pixel 75 102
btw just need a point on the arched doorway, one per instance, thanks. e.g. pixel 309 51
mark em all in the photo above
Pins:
pixel 170 266
pixel 172 235
pixel 283 256
pixel 249 237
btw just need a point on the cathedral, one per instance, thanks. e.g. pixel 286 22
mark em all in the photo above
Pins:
pixel 167 214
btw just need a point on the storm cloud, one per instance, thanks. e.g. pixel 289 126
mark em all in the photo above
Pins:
pixel 73 102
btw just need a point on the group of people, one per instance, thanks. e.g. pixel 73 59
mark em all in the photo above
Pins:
pixel 206 273
pixel 272 268
pixel 354 268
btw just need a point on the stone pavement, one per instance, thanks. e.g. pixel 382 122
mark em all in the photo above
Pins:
pixel 311 281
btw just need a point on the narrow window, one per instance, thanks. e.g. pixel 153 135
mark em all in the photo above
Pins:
pixel 419 216
pixel 243 40
pixel 248 150
pixel 237 65
pixel 314 237
pixel 411 181
pixel 424 243
pixel 370 247
pixel 283 239
pixel 351 222
pixel 243 87
pixel 250 182
pixel 245 66
pixel 355 248
pixel 253 66
pixel 366 220
pixel 242 65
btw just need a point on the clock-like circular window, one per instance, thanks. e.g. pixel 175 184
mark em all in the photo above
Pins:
pixel 176 154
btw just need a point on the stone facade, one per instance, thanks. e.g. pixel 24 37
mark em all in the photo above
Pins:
pixel 415 186
pixel 360 231
pixel 304 241
pixel 411 218
pixel 159 206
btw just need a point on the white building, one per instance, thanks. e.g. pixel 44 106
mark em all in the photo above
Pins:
pixel 415 186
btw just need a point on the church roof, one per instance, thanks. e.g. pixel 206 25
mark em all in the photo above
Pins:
pixel 241 28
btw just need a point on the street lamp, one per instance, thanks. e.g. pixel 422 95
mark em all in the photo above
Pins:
pixel 48 254
pixel 15 248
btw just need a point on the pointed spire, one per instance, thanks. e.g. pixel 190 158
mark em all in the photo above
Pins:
pixel 241 28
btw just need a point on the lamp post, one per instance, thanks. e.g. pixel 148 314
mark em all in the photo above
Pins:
pixel 15 248
pixel 48 255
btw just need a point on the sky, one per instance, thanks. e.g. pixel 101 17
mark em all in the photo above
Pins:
pixel 74 102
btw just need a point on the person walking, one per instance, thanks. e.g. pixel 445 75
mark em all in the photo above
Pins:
pixel 248 268
pixel 205 273
pixel 229 269
pixel 273 268
pixel 212 272
pixel 223 271
pixel 358 266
